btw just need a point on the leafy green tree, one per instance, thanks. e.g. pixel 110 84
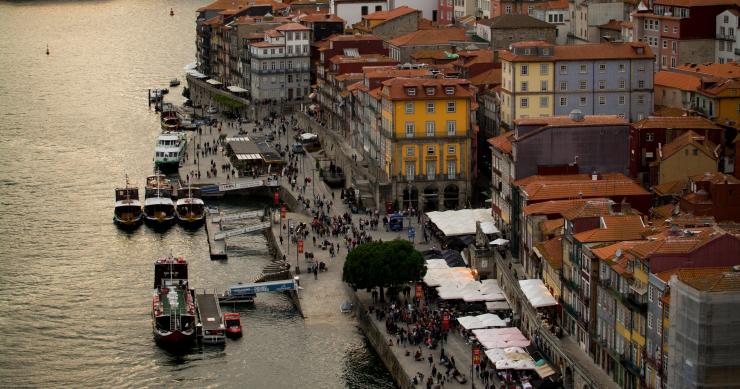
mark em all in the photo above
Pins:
pixel 383 264
pixel 186 92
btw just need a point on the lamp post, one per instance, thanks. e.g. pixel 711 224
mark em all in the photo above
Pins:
pixel 313 182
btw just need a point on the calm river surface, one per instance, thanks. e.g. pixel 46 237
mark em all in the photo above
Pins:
pixel 74 291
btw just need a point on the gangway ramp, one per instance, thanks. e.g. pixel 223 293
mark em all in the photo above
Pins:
pixel 241 183
pixel 238 216
pixel 209 316
pixel 221 235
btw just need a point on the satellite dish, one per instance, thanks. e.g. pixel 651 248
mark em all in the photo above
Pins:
pixel 618 253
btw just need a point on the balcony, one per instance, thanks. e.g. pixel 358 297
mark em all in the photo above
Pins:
pixel 634 302
pixel 427 178
pixel 737 51
pixel 570 284
pixel 629 365
pixel 725 36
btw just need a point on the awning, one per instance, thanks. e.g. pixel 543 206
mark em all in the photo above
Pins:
pixel 242 157
pixel 543 369
pixel 511 358
pixel 236 89
pixel 213 82
pixel 460 222
pixel 485 320
pixel 488 228
pixel 196 74
pixel 498 242
pixel 537 293
pixel 498 306
pixel 308 136
pixel 190 66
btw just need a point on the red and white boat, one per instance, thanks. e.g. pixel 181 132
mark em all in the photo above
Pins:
pixel 233 324
pixel 173 305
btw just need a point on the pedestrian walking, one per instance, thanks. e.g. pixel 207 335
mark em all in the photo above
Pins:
pixel 315 272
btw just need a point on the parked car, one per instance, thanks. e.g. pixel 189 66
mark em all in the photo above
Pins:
pixel 270 136
pixel 298 149
pixel 212 110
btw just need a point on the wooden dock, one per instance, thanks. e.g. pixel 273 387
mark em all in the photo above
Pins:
pixel 217 248
pixel 209 315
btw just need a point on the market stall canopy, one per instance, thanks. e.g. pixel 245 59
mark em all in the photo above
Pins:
pixel 543 369
pixel 452 257
pixel 196 74
pixel 493 306
pixel 510 358
pixel 308 136
pixel 501 337
pixel 449 275
pixel 459 222
pixel 488 228
pixel 236 89
pixel 190 66
pixel 498 242
pixel 485 320
pixel 213 82
pixel 437 263
pixel 537 293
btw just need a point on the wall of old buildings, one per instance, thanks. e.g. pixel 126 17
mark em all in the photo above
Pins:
pixel 352 11
pixel 696 51
pixel 398 26
pixel 685 163
pixel 502 38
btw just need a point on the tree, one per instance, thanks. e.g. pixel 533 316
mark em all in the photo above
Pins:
pixel 383 264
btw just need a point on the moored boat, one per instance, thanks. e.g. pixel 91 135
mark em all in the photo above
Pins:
pixel 159 209
pixel 174 82
pixel 233 323
pixel 173 303
pixel 127 213
pixel 190 209
pixel 168 118
pixel 170 150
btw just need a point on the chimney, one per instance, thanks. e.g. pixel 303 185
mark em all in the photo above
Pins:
pixel 576 115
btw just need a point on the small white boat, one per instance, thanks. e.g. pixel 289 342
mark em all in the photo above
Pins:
pixel 174 82
pixel 170 150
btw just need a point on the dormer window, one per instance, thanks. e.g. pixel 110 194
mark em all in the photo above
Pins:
pixel 411 91
pixel 545 51
pixel 640 50
pixel 450 90
pixel 430 91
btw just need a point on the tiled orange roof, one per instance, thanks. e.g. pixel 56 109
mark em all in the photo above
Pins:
pixel 680 122
pixel 686 139
pixel 429 54
pixel 390 14
pixel 609 251
pixel 588 120
pixel 552 252
pixel 573 189
pixel 725 70
pixel 611 50
pixel 721 87
pixel 340 58
pixel 266 44
pixel 437 36
pixel 396 88
pixel 552 227
pixel 568 177
pixel 665 275
pixel 684 82
pixel 669 188
pixel 490 77
pixel 614 25
pixel 711 279
pixel 620 266
pixel 503 142
pixel 552 207
pixel 320 17
pixel 224 4
pixel 662 212
pixel 392 71
pixel 677 241
pixel 589 208
pixel 614 228
pixel 695 3
pixel 292 27
pixel 557 4
pixel 715 177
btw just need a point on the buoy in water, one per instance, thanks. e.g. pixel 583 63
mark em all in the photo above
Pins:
pixel 172 12
pixel 47 49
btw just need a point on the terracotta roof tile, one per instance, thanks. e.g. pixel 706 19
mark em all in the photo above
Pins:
pixel 611 50
pixel 670 188
pixel 584 188
pixel 503 142
pixel 711 279
pixel 489 77
pixel 512 21
pixel 552 252
pixel 684 82
pixel 430 54
pixel 607 252
pixel 320 17
pixel 715 177
pixel 726 70
pixel 391 14
pixel 292 27
pixel 567 121
pixel 589 208
pixel 614 228
pixel 396 88
pixel 614 25
pixel 679 122
pixel 430 37
pixel 721 87
pixel 557 4
pixel 552 227
pixel 686 139
pixel 552 207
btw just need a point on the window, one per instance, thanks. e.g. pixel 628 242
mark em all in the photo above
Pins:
pixel 650 293
pixel 430 150
pixel 524 70
pixel 450 90
pixel 290 49
pixel 544 102
pixel 663 61
pixel 665 28
pixel 290 64
pixel 450 150
pixel 451 171
pixel 563 85
pixel 665 44
pixel 641 68
pixel 622 83
pixel 543 86
pixel 621 100
pixel 431 166
pixel 364 10
pixel 649 137
pixel 451 128
pixel 602 100
pixel 583 69
pixel 450 106
pixel 508 9
pixel 409 129
pixel 675 29
pixel 640 99
pixel 430 107
pixel 544 69
pixel 378 8
pixel 641 84
pixel 430 128
pixel 582 101
pixel 602 68
pixel 602 84
pixel 524 102
pixel 410 152
pixel 410 171
pixel 430 91
pixel 411 91
pixel 563 101
pixel 582 85
pixel 409 107
pixel 622 68
pixel 563 69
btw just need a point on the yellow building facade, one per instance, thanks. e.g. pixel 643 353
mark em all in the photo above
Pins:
pixel 427 131
pixel 527 90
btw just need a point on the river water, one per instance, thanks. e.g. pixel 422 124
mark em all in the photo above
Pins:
pixel 74 291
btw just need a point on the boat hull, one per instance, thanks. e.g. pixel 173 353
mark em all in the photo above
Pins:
pixel 128 223
pixel 174 338
pixel 167 167
pixel 191 222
